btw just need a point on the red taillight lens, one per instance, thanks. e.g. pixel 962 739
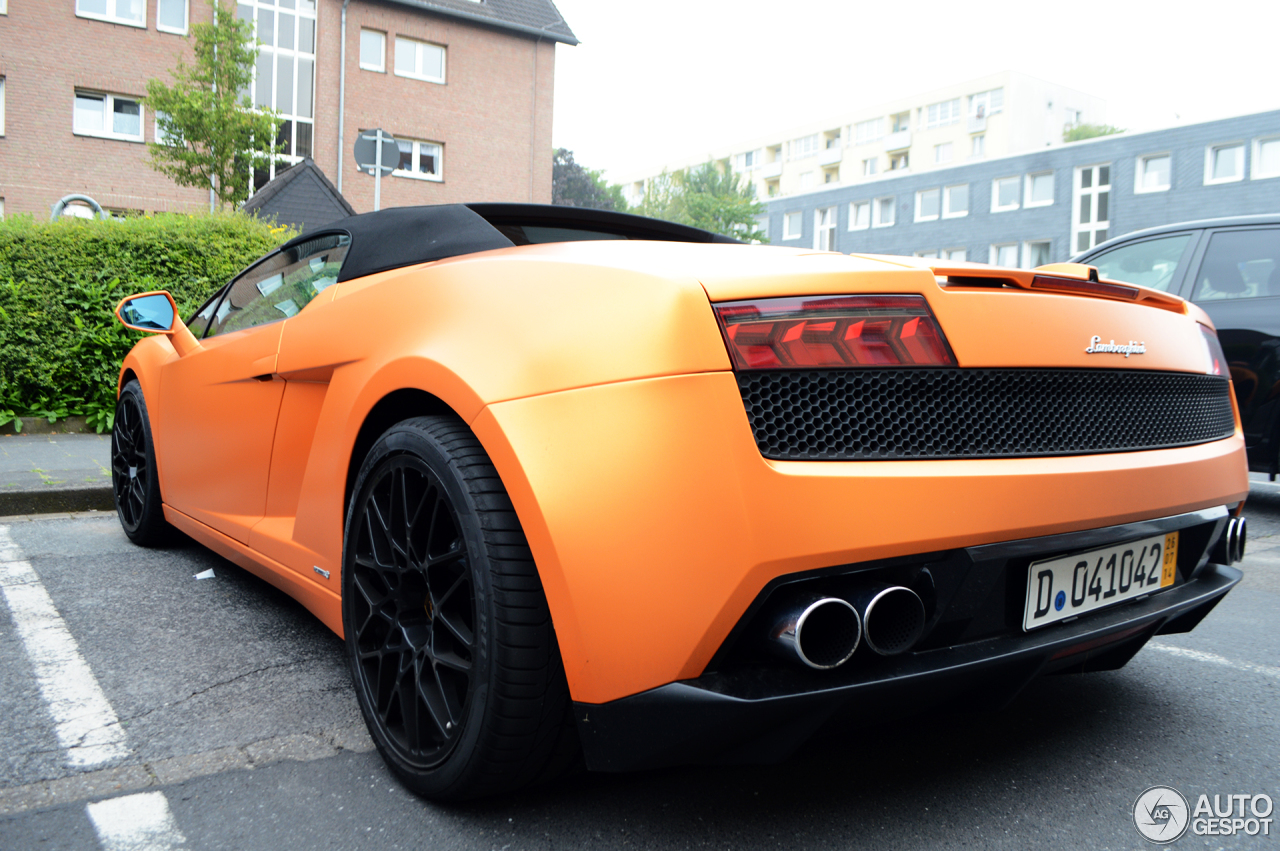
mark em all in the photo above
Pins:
pixel 832 333
pixel 1213 349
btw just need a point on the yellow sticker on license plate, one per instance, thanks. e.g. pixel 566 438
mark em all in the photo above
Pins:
pixel 1069 586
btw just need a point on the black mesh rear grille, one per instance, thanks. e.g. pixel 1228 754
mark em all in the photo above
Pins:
pixel 842 415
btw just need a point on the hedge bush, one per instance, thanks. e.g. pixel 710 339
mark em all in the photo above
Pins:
pixel 60 343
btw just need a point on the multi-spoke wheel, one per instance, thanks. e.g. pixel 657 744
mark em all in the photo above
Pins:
pixel 447 629
pixel 134 482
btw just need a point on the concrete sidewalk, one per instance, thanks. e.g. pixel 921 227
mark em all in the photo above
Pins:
pixel 50 473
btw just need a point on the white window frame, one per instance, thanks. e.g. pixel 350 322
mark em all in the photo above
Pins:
pixel 381 67
pixel 928 254
pixel 940 114
pixel 983 100
pixel 415 75
pixel 870 166
pixel 438 176
pixel 828 229
pixel 186 17
pixel 995 254
pixel 941 148
pixel 111 16
pixel 1255 167
pixel 1210 150
pixel 4 10
pixel 1138 168
pixel 884 202
pixel 995 194
pixel 108 110
pixel 950 255
pixel 920 193
pixel 1026 200
pixel 978 146
pixel 1026 250
pixel 854 206
pixel 796 216
pixel 947 212
pixel 866 132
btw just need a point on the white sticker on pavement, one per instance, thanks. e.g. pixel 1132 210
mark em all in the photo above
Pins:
pixel 86 725
pixel 136 823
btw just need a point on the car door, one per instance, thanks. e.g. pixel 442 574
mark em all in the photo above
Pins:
pixel 220 405
pixel 1157 261
pixel 1237 282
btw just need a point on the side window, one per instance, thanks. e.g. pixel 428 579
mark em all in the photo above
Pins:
pixel 1240 264
pixel 1149 264
pixel 279 286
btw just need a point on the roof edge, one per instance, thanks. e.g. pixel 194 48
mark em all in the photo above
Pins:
pixel 447 12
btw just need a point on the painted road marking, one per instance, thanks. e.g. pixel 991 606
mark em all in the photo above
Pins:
pixel 86 725
pixel 1215 659
pixel 136 823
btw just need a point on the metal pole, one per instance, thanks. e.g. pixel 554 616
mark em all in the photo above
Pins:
pixel 377 171
pixel 342 90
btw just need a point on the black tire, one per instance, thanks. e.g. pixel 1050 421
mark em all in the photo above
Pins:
pixel 135 484
pixel 450 641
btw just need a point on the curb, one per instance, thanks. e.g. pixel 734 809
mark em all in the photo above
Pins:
pixel 56 500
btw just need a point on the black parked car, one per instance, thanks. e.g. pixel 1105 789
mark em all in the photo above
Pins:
pixel 1231 268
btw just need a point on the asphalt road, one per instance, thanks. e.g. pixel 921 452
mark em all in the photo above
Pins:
pixel 170 711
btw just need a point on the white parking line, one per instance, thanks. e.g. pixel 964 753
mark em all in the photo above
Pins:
pixel 86 725
pixel 1215 659
pixel 136 823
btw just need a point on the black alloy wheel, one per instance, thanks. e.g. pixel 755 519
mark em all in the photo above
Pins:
pixel 135 484
pixel 447 629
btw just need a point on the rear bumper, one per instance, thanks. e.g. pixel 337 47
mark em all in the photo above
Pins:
pixel 746 715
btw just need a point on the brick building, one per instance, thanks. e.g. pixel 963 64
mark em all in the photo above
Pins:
pixel 464 85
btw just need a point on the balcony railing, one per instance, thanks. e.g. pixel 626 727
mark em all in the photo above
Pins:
pixel 897 141
pixel 768 171
pixel 977 123
pixel 830 156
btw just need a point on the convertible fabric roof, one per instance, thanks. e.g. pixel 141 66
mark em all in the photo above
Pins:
pixel 405 236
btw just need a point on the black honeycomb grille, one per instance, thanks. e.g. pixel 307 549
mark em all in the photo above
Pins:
pixel 845 415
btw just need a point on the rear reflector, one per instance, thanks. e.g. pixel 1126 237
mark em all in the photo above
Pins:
pixel 1073 285
pixel 833 332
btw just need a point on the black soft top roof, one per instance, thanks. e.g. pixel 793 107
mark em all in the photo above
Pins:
pixel 404 236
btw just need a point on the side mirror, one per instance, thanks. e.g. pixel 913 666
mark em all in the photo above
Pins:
pixel 156 313
pixel 150 312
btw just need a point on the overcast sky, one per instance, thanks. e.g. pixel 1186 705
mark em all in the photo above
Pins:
pixel 661 80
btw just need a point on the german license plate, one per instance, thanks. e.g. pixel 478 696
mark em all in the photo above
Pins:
pixel 1070 586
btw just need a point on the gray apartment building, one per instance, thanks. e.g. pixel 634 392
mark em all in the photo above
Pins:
pixel 1048 205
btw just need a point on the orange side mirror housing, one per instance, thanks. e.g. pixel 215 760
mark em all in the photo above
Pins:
pixel 157 313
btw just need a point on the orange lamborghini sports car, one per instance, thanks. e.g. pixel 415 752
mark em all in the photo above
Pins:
pixel 581 483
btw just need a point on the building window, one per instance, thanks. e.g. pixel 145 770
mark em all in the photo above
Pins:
pixel 824 221
pixel 131 12
pixel 955 201
pixel 1004 194
pixel 805 146
pixel 1091 206
pixel 979 149
pixel 884 212
pixel 928 204
pixel 109 116
pixel 1266 158
pixel 423 160
pixel 898 162
pixel 284 75
pixel 901 122
pixel 955 254
pixel 859 215
pixel 942 153
pixel 868 131
pixel 1224 163
pixel 870 166
pixel 1036 253
pixel 1005 254
pixel 986 103
pixel 928 254
pixel 1154 173
pixel 942 113
pixel 748 161
pixel 171 16
pixel 806 181
pixel 792 225
pixel 420 60
pixel 373 50
pixel 1039 189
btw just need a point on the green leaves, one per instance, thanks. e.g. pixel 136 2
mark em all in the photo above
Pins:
pixel 60 343
pixel 707 197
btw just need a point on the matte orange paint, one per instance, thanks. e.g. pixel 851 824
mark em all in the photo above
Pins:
pixel 595 376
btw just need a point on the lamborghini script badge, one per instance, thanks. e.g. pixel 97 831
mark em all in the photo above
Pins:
pixel 1133 347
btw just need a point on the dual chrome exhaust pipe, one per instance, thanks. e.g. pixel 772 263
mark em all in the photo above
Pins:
pixel 822 632
pixel 1230 547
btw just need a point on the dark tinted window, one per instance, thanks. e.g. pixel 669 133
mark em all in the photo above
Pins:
pixel 1240 264
pixel 279 286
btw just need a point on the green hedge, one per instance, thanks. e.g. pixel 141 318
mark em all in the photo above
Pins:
pixel 60 344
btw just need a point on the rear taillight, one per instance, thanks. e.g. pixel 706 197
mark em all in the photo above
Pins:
pixel 1217 359
pixel 833 332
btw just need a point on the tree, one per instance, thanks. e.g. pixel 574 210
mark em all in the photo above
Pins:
pixel 708 197
pixel 213 137
pixel 572 185
pixel 1088 131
